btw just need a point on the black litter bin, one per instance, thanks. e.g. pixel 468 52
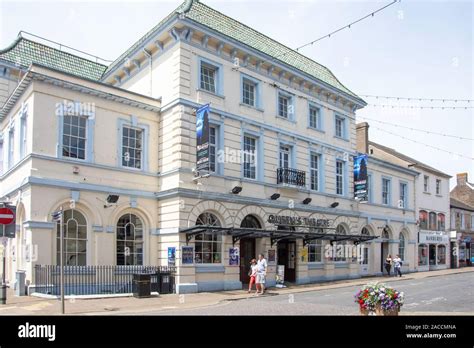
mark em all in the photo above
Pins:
pixel 141 285
pixel 166 286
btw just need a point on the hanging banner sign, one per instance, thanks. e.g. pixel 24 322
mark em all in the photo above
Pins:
pixel 202 138
pixel 361 190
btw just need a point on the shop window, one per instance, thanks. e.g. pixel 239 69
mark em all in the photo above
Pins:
pixel 432 221
pixel 75 239
pixel 423 219
pixel 208 246
pixel 129 240
pixel 422 255
pixel 441 255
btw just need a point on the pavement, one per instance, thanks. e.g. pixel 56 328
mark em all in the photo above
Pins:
pixel 201 303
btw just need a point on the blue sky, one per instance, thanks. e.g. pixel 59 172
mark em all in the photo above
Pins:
pixel 414 48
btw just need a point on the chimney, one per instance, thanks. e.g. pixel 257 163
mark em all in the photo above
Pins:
pixel 362 138
pixel 461 178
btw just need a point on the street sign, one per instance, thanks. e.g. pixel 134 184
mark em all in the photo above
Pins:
pixel 7 216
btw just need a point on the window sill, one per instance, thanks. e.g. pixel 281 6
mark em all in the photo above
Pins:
pixel 341 138
pixel 209 268
pixel 437 195
pixel 286 119
pixel 211 93
pixel 316 129
pixel 251 107
pixel 427 193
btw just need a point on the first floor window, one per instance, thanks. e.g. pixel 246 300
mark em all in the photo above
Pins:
pixel 208 246
pixel 438 186
pixel 250 147
pixel 426 183
pixel 339 177
pixel 340 127
pixel 441 255
pixel 432 221
pixel 75 239
pixel 208 77
pixel 423 219
pixel 74 136
pixel 132 147
pixel 11 147
pixel 129 240
pixel 403 195
pixel 441 222
pixel 314 168
pixel 315 252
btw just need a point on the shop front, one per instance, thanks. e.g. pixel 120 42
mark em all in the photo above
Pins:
pixel 466 250
pixel 433 250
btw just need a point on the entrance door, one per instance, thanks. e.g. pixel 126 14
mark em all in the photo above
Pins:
pixel 432 255
pixel 247 253
pixel 383 256
pixel 287 257
pixel 364 264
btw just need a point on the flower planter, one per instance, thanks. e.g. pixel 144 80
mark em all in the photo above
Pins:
pixel 387 312
pixel 363 311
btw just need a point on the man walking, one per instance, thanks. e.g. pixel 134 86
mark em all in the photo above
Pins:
pixel 397 266
pixel 261 274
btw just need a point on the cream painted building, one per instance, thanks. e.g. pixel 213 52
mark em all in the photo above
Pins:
pixel 132 134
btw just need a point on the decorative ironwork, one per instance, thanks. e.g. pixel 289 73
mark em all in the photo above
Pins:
pixel 291 176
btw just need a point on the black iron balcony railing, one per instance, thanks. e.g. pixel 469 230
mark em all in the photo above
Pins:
pixel 291 176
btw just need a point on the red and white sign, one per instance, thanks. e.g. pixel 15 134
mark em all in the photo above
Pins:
pixel 6 216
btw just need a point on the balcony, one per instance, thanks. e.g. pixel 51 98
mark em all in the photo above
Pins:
pixel 291 177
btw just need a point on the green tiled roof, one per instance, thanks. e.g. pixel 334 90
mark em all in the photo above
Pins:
pixel 207 16
pixel 23 52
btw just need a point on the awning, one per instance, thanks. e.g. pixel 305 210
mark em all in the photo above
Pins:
pixel 306 233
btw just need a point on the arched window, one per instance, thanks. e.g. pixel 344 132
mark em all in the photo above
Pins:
pixel 401 246
pixel 423 219
pixel 129 240
pixel 365 231
pixel 75 239
pixel 432 222
pixel 250 221
pixel 385 234
pixel 208 246
pixel 441 254
pixel 441 222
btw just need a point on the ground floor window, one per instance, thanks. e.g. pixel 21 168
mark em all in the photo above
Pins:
pixel 441 255
pixel 422 255
pixel 75 239
pixel 339 252
pixel 208 246
pixel 315 251
pixel 129 240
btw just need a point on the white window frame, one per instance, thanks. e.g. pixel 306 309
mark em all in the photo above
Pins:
pixel 252 157
pixel 85 138
pixel 426 184
pixel 438 187
pixel 290 110
pixel 11 148
pixel 318 109
pixel 341 176
pixel 317 246
pixel 404 193
pixel 142 132
pixel 245 79
pixel 218 76
pixel 343 129
pixel 314 172
pixel 387 192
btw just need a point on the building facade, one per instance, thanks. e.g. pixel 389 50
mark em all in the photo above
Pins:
pixel 282 141
pixel 431 205
pixel 462 219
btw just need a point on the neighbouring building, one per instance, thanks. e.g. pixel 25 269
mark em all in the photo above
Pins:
pixel 462 219
pixel 115 147
pixel 431 206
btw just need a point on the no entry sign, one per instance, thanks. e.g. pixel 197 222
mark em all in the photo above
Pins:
pixel 7 216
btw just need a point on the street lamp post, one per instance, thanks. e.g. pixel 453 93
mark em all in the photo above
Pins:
pixel 58 216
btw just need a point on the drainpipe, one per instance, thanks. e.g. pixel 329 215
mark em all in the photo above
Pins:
pixel 149 56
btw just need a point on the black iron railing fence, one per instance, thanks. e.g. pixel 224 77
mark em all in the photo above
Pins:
pixel 95 280
pixel 291 176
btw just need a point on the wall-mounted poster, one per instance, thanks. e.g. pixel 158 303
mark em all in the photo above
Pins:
pixel 234 256
pixel 187 255
pixel 271 256
pixel 202 138
pixel 304 255
pixel 361 189
pixel 171 256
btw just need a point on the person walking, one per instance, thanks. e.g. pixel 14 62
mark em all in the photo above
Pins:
pixel 388 264
pixel 261 274
pixel 252 273
pixel 397 267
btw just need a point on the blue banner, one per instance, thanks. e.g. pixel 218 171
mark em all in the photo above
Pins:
pixel 361 189
pixel 202 138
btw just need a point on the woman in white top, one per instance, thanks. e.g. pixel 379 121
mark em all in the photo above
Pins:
pixel 252 273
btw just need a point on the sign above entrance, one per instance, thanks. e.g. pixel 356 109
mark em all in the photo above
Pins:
pixel 433 238
pixel 297 221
